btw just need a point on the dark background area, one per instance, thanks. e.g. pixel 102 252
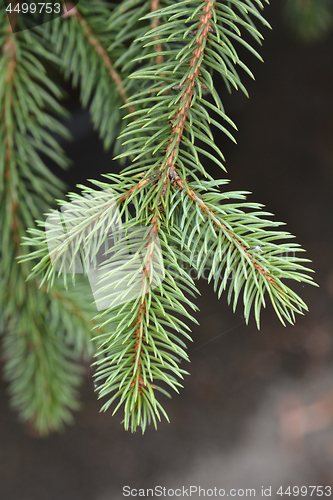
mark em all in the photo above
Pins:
pixel 257 409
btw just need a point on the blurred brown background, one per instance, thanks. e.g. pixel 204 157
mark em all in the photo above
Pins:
pixel 257 409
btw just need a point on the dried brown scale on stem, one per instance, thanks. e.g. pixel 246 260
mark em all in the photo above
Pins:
pixel 195 32
pixel 94 42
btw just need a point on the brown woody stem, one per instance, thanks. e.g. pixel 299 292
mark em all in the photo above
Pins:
pixel 95 43
pixel 178 123
pixel 9 51
pixel 142 309
pixel 155 6
pixel 206 210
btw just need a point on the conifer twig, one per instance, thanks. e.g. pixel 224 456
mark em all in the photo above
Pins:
pixel 172 49
pixel 100 50
pixel 144 290
pixel 207 211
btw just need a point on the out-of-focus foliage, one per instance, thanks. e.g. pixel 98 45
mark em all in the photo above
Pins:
pixel 310 20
